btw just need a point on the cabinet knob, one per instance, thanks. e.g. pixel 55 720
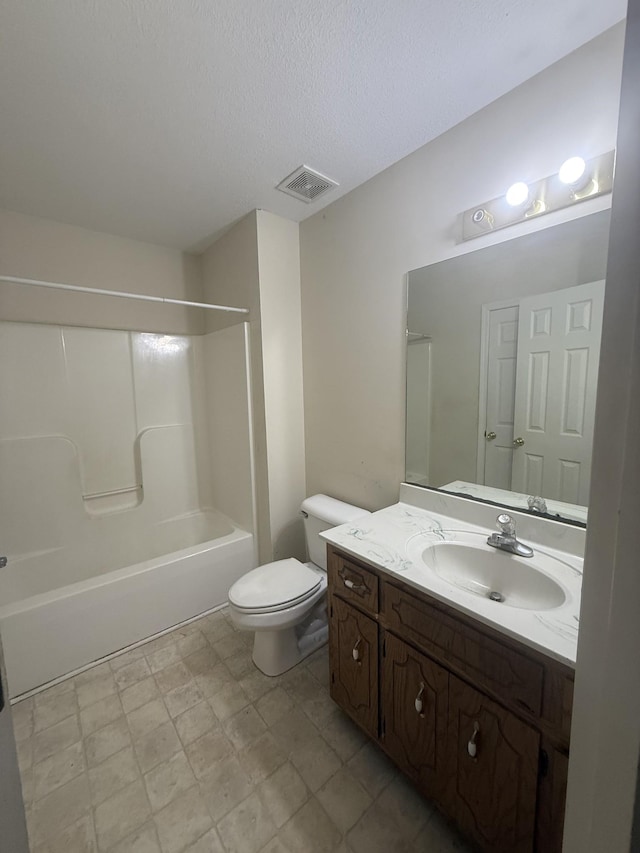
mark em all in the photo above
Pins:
pixel 356 651
pixel 418 702
pixel 472 746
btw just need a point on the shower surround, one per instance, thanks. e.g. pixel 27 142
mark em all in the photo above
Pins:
pixel 107 511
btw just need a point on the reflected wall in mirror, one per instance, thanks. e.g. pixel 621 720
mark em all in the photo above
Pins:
pixel 503 347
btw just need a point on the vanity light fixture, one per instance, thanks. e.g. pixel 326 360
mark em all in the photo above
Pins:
pixel 517 194
pixel 572 171
pixel 577 180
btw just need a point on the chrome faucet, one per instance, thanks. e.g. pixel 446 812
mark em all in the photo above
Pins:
pixel 536 504
pixel 506 539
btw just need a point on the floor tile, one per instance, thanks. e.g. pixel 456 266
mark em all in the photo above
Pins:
pixel 118 816
pixel 311 830
pixel 240 664
pixel 315 761
pixel 229 646
pixel 201 661
pixel 377 832
pixel 54 709
pixel 146 718
pixel 262 758
pixel 195 722
pixel 344 799
pixel 207 751
pixel 61 808
pixel 293 730
pixel 182 698
pixel 163 657
pixel 256 684
pixel 283 793
pixel 126 658
pixel 182 822
pixel 168 780
pixel 244 727
pixel 79 837
pixel 192 642
pixel 94 691
pixel 132 673
pixel 274 705
pixel 100 714
pixel 23 719
pixel 139 694
pixel 112 775
pixel 57 770
pixel 248 827
pixel 372 768
pixel 230 699
pixel 106 742
pixel 55 738
pixel 156 746
pixel 142 840
pixel 224 786
pixel 172 676
pixel 343 736
pixel 209 843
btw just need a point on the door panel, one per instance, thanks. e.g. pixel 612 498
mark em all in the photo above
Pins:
pixel 556 378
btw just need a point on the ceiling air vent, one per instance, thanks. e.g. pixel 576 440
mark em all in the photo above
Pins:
pixel 306 185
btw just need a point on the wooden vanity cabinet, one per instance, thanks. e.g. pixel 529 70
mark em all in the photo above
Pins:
pixel 479 722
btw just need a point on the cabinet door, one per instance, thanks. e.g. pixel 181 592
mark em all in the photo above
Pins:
pixel 414 714
pixel 353 658
pixel 493 793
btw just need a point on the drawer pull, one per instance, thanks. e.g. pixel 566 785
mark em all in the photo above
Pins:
pixel 356 651
pixel 351 585
pixel 418 702
pixel 472 746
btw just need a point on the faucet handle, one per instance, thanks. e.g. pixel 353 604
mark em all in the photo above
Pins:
pixel 506 524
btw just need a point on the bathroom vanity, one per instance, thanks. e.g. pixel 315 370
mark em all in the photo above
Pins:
pixel 470 697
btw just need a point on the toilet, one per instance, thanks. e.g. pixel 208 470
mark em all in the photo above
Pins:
pixel 285 602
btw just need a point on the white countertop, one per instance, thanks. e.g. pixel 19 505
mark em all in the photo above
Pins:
pixel 394 538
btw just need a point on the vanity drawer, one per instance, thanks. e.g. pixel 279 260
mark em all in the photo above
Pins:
pixel 488 663
pixel 352 581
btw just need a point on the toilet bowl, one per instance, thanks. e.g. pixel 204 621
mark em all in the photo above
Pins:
pixel 284 602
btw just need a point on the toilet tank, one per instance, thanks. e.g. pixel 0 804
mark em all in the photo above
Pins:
pixel 321 513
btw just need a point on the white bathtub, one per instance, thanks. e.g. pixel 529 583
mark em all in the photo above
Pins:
pixel 54 619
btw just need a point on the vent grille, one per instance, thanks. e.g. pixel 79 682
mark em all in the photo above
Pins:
pixel 306 184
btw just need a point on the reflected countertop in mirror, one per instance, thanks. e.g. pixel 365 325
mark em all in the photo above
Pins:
pixel 502 362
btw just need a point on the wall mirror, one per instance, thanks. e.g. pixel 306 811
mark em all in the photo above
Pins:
pixel 503 346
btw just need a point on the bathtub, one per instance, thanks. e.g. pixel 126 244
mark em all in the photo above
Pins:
pixel 63 608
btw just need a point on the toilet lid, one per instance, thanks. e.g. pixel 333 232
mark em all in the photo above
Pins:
pixel 275 585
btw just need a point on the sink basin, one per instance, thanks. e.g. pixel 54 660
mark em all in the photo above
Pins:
pixel 497 575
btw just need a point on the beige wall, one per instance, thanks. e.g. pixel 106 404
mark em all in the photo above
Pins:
pixel 356 252
pixel 36 248
pixel 279 265
pixel 256 265
pixel 230 277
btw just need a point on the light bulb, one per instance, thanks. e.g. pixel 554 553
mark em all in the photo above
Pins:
pixel 517 194
pixel 572 170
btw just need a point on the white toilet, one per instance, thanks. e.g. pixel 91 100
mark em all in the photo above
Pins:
pixel 285 602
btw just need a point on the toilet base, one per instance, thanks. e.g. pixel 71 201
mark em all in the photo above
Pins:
pixel 274 652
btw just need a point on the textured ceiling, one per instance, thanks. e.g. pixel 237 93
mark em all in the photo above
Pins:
pixel 167 120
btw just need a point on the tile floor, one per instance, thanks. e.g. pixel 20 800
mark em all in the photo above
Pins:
pixel 183 746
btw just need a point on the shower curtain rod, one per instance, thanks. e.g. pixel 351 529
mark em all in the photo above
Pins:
pixel 121 293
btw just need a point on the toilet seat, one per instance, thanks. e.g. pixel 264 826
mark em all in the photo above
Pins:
pixel 275 586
